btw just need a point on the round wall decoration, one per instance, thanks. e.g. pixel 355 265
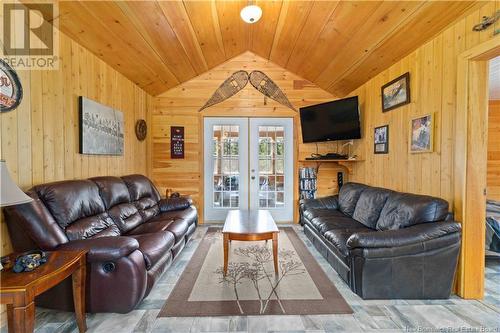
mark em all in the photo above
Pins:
pixel 11 91
pixel 141 129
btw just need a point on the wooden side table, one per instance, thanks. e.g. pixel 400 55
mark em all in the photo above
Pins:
pixel 18 290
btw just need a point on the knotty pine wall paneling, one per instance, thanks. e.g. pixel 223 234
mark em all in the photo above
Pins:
pixel 433 80
pixel 179 107
pixel 40 139
pixel 493 178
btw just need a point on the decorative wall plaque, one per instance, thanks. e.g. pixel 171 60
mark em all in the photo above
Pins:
pixel 141 129
pixel 176 142
pixel 11 91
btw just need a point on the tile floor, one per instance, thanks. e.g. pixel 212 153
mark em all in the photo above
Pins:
pixel 452 315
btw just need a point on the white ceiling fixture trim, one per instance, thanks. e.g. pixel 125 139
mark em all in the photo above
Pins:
pixel 251 14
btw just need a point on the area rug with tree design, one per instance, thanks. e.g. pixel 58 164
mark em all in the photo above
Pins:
pixel 250 286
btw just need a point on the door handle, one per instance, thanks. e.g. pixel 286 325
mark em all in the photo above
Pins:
pixel 253 177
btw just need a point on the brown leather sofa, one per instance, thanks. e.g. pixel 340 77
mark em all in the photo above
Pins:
pixel 132 235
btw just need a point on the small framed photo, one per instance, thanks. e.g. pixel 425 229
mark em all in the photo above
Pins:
pixel 396 93
pixel 381 140
pixel 421 136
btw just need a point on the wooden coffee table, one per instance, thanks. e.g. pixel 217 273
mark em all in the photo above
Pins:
pixel 250 225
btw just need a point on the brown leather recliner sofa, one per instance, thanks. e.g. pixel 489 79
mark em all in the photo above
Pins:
pixel 131 234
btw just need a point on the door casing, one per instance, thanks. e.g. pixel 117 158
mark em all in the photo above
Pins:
pixel 207 167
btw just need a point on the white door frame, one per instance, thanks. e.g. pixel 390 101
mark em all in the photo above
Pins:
pixel 284 214
pixel 219 213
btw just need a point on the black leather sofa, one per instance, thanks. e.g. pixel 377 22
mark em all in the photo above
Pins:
pixel 385 244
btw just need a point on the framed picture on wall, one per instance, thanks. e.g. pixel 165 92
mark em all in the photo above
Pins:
pixel 421 136
pixel 381 140
pixel 396 93
pixel 101 128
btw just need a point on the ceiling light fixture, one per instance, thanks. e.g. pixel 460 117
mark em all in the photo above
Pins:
pixel 251 14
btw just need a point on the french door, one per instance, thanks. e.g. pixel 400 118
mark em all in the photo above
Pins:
pixel 248 165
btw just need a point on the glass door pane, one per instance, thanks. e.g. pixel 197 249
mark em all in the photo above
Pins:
pixel 226 172
pixel 271 166
pixel 226 166
pixel 271 155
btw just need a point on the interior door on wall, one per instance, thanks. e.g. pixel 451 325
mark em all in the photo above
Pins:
pixel 226 166
pixel 271 166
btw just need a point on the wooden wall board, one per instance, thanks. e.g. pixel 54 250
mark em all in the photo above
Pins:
pixel 493 178
pixel 39 140
pixel 435 68
pixel 179 107
pixel 433 73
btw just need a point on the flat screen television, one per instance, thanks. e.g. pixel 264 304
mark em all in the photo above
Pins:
pixel 336 120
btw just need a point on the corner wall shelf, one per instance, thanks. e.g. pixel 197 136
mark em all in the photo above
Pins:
pixel 346 163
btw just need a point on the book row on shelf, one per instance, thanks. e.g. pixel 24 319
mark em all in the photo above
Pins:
pixel 307 173
pixel 307 183
pixel 308 194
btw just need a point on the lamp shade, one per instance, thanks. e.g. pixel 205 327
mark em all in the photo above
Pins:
pixel 10 194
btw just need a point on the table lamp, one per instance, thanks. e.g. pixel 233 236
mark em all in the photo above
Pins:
pixel 10 194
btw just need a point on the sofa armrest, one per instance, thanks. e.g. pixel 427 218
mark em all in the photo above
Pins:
pixel 171 204
pixel 330 202
pixel 402 237
pixel 103 248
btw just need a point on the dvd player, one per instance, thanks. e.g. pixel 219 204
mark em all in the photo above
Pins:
pixel 329 156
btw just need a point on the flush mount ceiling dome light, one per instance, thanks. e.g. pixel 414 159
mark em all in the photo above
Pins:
pixel 251 14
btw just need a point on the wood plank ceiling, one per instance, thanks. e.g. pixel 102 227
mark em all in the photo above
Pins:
pixel 338 45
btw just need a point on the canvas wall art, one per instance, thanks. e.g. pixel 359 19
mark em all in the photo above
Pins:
pixel 421 134
pixel 396 93
pixel 101 128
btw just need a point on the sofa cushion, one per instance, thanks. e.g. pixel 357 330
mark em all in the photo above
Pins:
pixel 369 206
pixel 78 208
pixel 155 246
pixel 100 225
pixel 112 190
pixel 317 222
pixel 189 214
pixel 140 186
pixel 313 213
pixel 402 210
pixel 329 202
pixel 115 195
pixel 348 197
pixel 338 238
pixel 163 223
pixel 342 224
pixel 144 195
pixel 71 200
pixel 179 228
pixel 126 216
